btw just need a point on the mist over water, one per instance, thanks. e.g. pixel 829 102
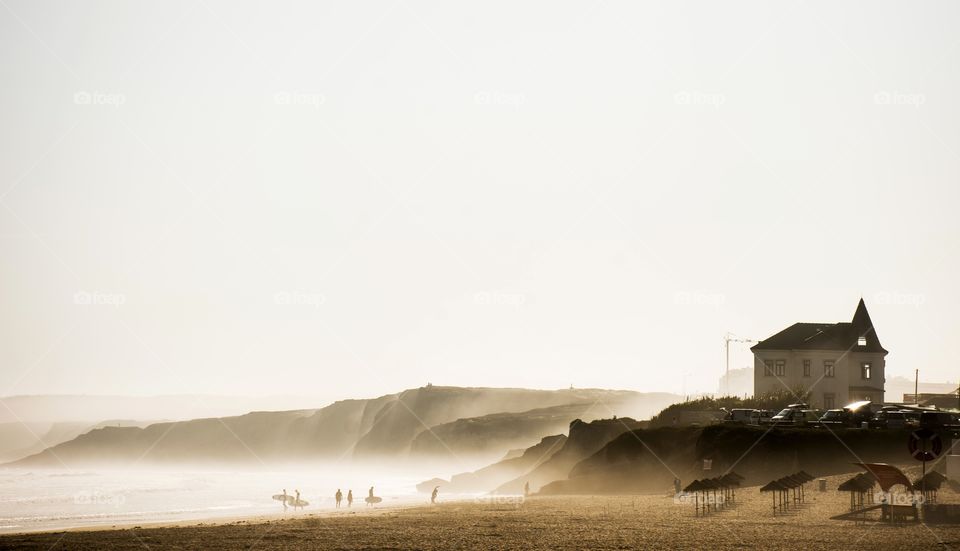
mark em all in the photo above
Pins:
pixel 49 499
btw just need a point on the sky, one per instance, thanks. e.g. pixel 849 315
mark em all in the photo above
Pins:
pixel 348 199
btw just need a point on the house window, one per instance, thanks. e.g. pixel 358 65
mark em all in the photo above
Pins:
pixel 828 400
pixel 806 368
pixel 862 341
pixel 865 370
pixel 780 367
pixel 767 368
pixel 828 368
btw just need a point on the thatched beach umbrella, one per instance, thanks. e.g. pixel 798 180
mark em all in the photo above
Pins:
pixel 731 482
pixel 777 489
pixel 695 488
pixel 929 485
pixel 805 477
pixel 710 486
pixel 857 486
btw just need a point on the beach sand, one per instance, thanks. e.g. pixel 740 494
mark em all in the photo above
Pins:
pixel 568 522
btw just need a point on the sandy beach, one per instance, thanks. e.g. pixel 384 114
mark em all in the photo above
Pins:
pixel 563 522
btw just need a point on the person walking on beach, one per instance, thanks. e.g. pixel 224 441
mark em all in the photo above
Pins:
pixel 349 498
pixel 284 499
pixel 433 496
pixel 526 489
pixel 676 486
pixel 297 502
pixel 339 497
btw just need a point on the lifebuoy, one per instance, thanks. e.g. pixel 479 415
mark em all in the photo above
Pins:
pixel 925 445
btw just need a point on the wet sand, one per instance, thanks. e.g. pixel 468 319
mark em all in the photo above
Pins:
pixel 570 522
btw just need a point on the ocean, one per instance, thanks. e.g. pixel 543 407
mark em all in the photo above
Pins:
pixel 52 500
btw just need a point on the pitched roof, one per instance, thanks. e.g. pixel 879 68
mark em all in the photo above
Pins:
pixel 827 336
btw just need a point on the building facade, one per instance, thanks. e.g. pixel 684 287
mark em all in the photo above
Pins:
pixel 837 363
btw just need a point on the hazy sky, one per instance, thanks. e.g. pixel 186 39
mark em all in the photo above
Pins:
pixel 352 198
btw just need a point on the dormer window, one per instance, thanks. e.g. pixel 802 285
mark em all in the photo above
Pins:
pixel 862 341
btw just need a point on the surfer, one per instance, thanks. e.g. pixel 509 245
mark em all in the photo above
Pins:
pixel 349 498
pixel 297 502
pixel 284 499
pixel 526 489
pixel 339 497
pixel 433 496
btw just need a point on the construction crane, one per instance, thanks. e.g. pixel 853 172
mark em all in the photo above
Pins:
pixel 727 339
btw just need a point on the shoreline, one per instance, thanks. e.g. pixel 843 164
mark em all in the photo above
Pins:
pixel 217 521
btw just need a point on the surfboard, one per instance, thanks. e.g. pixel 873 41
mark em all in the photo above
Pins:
pixel 291 500
pixel 373 499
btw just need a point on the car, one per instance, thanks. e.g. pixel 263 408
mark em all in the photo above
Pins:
pixel 860 412
pixel 738 416
pixel 939 420
pixel 835 418
pixel 795 417
pixel 888 419
pixel 760 416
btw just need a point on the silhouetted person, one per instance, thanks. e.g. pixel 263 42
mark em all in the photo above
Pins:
pixel 526 489
pixel 297 502
pixel 284 499
pixel 349 498
pixel 433 496
pixel 676 486
pixel 370 494
pixel 339 497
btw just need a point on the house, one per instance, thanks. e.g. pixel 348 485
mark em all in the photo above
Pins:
pixel 837 363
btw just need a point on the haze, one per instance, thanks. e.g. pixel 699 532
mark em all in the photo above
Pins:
pixel 218 198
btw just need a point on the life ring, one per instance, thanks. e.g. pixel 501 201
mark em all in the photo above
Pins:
pixel 925 445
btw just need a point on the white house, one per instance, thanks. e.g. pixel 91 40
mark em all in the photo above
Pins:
pixel 838 363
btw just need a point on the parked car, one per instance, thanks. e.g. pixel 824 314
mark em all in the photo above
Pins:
pixel 888 419
pixel 796 417
pixel 760 416
pixel 835 418
pixel 739 416
pixel 860 412
pixel 939 420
